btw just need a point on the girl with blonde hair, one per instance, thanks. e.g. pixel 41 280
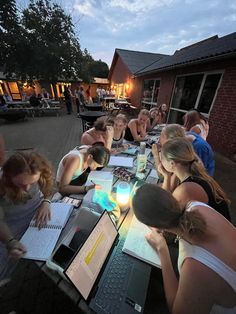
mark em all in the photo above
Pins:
pixel 178 158
pixel 206 261
pixel 137 128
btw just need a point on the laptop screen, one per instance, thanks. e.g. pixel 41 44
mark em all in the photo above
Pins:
pixel 87 263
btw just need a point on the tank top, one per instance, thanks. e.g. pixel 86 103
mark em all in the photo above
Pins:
pixel 219 205
pixel 117 143
pixel 187 250
pixel 128 135
pixel 79 171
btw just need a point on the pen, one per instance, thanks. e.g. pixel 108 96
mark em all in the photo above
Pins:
pixel 92 182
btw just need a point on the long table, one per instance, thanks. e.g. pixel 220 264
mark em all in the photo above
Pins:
pixel 70 230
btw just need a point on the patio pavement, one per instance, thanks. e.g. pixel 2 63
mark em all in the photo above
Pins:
pixel 31 291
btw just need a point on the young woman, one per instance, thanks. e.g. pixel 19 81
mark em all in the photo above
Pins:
pixel 162 112
pixel 25 186
pixel 120 124
pixel 102 132
pixel 155 118
pixel 207 262
pixel 137 128
pixel 179 159
pixel 197 123
pixel 71 172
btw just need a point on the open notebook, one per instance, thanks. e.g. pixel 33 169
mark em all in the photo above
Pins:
pixel 40 243
pixel 136 244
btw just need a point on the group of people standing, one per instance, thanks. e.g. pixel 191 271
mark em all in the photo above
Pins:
pixel 190 204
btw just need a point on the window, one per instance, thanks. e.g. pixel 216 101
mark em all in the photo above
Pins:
pixel 14 90
pixel 193 91
pixel 150 91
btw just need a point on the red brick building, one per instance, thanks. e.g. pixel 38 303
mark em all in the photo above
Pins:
pixel 201 76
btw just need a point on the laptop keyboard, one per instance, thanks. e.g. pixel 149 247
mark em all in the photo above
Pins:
pixel 113 289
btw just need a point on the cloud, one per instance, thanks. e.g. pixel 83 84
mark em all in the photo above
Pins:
pixel 85 7
pixel 138 6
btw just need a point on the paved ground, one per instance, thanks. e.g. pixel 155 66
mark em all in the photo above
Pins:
pixel 30 291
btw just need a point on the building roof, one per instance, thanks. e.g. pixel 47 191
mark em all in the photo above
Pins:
pixel 208 49
pixel 135 60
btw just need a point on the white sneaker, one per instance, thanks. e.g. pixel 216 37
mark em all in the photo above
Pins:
pixel 4 282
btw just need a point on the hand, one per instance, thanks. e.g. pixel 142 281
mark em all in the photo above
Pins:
pixel 156 240
pixel 163 171
pixel 155 152
pixel 90 187
pixel 125 146
pixel 110 131
pixel 43 214
pixel 16 249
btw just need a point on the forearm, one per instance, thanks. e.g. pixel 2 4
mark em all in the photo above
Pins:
pixel 169 278
pixel 71 189
pixel 5 232
pixel 166 185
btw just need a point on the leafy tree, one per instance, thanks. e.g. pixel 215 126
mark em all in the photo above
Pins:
pixel 11 35
pixel 53 50
pixel 99 69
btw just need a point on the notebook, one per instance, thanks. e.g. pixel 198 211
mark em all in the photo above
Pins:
pixel 40 243
pixel 90 271
pixel 117 161
pixel 136 244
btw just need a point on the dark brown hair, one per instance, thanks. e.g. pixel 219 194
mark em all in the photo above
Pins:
pixel 157 208
pixel 102 122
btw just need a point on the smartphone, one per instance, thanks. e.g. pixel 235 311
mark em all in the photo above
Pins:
pixel 63 255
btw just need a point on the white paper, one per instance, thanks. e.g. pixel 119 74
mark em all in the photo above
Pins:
pixel 136 244
pixel 117 161
pixel 40 243
pixel 102 178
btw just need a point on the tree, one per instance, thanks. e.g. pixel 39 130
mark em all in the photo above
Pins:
pixel 11 36
pixel 53 50
pixel 99 69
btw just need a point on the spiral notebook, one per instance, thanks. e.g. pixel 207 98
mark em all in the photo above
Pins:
pixel 40 243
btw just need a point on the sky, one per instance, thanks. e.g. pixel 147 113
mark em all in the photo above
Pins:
pixel 158 26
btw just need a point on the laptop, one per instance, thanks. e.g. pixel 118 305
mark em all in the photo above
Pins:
pixel 109 280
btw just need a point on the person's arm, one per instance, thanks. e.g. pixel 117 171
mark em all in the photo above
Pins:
pixel 109 137
pixel 195 129
pixel 167 182
pixel 143 130
pixel 158 242
pixel 133 128
pixel 87 139
pixel 14 247
pixel 196 290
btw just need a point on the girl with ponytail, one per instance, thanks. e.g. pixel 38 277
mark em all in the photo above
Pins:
pixel 206 262
pixel 179 159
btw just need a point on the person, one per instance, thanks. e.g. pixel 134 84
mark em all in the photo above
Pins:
pixel 88 95
pixel 120 124
pixel 155 118
pixel 3 104
pixel 206 261
pixel 102 132
pixel 34 101
pixel 201 147
pixel 71 172
pixel 194 121
pixel 137 128
pixel 67 95
pixel 25 187
pixel 44 94
pixel 7 97
pixel 162 112
pixel 179 159
pixel 99 94
pixel 2 151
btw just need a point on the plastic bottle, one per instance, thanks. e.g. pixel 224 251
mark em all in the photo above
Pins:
pixel 141 161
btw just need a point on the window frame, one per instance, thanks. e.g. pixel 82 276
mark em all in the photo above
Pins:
pixel 151 103
pixel 205 74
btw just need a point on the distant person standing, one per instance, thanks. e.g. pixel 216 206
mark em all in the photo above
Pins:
pixel 99 94
pixel 67 94
pixel 88 95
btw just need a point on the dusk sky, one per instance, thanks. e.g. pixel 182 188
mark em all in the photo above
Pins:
pixel 160 26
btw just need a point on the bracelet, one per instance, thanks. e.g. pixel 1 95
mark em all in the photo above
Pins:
pixel 46 201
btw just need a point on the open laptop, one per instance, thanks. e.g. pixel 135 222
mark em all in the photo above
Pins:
pixel 109 280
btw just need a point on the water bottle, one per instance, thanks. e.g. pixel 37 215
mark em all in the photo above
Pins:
pixel 141 161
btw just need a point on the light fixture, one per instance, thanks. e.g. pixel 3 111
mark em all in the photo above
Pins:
pixel 123 194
